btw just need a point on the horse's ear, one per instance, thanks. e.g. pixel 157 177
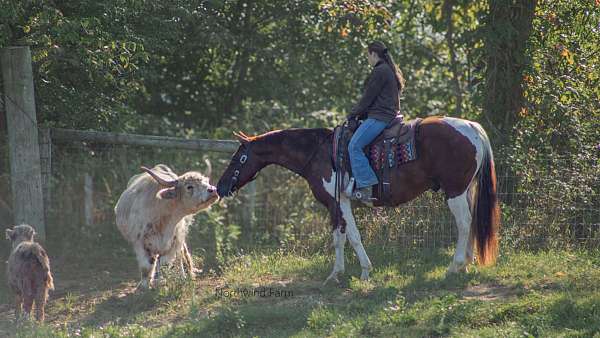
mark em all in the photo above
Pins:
pixel 241 137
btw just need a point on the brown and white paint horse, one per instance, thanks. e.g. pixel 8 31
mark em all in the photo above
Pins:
pixel 454 155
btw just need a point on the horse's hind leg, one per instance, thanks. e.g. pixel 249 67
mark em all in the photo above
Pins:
pixel 459 206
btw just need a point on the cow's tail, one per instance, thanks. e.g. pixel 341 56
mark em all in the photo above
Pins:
pixel 486 219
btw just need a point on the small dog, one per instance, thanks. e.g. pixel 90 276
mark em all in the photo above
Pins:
pixel 28 272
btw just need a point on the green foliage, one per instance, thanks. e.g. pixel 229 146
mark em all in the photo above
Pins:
pixel 505 33
pixel 555 149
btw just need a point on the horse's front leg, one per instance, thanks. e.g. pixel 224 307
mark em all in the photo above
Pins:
pixel 339 241
pixel 354 238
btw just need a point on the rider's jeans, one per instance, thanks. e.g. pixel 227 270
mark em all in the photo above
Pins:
pixel 361 169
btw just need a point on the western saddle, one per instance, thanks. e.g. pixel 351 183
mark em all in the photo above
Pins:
pixel 393 147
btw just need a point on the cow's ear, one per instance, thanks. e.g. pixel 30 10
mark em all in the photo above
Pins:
pixel 9 234
pixel 167 193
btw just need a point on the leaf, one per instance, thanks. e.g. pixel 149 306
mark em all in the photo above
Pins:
pixel 567 55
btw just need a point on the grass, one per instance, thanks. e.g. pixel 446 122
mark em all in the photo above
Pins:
pixel 546 293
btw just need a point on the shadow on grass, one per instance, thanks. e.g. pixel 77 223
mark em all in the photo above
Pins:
pixel 582 314
pixel 316 307
pixel 413 275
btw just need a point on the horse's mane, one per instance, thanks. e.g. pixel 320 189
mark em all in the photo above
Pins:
pixel 279 135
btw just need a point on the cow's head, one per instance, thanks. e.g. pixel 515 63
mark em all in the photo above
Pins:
pixel 191 189
pixel 20 233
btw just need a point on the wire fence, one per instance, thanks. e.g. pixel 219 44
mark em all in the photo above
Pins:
pixel 541 206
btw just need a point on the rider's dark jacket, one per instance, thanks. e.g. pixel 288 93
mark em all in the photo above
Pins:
pixel 381 97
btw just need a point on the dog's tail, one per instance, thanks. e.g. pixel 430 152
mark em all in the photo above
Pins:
pixel 43 259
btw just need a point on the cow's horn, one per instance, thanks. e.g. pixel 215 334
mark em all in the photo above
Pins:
pixel 208 167
pixel 160 180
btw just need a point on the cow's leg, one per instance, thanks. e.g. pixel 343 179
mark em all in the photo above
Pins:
pixel 18 306
pixel 146 263
pixel 354 238
pixel 180 250
pixel 186 259
pixel 339 240
pixel 157 273
pixel 459 206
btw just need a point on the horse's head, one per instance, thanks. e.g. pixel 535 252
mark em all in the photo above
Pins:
pixel 242 169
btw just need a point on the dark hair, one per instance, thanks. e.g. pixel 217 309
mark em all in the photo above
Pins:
pixel 381 50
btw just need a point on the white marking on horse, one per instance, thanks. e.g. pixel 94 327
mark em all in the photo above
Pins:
pixel 461 204
pixel 352 233
pixel 470 130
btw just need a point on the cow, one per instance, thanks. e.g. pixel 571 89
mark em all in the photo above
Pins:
pixel 154 213
pixel 29 273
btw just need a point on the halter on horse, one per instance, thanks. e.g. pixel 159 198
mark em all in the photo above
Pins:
pixel 454 155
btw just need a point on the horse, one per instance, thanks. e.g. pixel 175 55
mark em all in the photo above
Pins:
pixel 455 155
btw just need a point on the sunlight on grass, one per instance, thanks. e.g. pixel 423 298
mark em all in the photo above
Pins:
pixel 526 294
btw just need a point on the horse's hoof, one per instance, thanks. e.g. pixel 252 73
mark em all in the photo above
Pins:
pixel 364 276
pixel 452 269
pixel 332 277
pixel 456 268
pixel 141 286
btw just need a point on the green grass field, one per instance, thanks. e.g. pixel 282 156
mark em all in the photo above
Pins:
pixel 542 294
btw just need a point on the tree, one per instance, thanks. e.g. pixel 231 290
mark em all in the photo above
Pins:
pixel 506 32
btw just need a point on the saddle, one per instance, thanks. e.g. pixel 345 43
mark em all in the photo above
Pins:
pixel 395 146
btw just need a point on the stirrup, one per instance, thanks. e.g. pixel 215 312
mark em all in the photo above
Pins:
pixel 362 196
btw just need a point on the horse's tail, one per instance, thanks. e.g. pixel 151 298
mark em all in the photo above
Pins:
pixel 486 219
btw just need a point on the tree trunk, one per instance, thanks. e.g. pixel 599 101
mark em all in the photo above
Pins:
pixel 447 9
pixel 507 30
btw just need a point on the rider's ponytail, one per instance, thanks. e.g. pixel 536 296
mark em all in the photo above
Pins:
pixel 383 53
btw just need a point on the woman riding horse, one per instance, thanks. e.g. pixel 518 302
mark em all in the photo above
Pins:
pixel 454 155
pixel 380 104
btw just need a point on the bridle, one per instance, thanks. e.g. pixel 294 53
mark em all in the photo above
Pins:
pixel 240 163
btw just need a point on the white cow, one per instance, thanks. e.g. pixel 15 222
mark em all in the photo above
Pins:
pixel 154 214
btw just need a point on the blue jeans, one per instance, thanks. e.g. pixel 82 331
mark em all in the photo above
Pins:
pixel 361 169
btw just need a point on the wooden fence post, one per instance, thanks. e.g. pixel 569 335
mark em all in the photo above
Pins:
pixel 46 168
pixel 88 199
pixel 248 211
pixel 24 152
